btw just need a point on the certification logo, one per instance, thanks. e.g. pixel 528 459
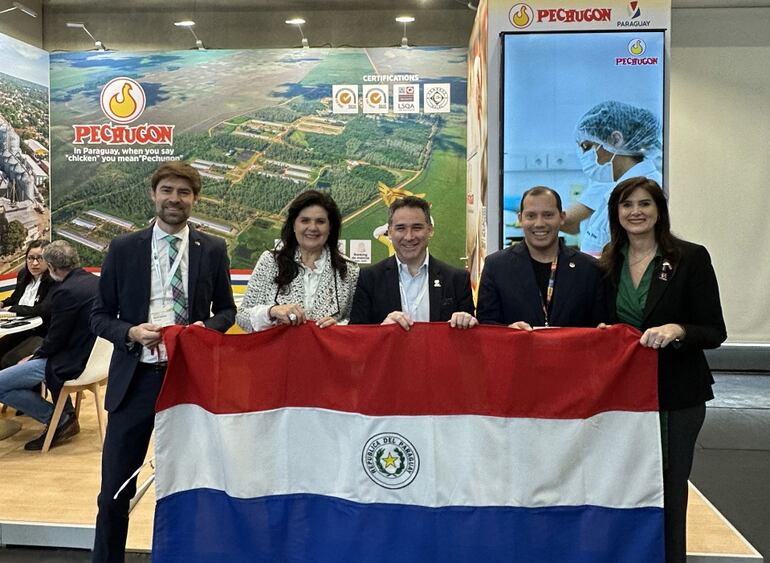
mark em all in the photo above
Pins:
pixel 376 99
pixel 436 98
pixel 521 16
pixel 637 47
pixel 390 460
pixel 406 98
pixel 122 100
pixel 345 98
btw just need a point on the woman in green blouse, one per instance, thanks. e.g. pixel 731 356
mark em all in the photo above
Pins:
pixel 667 288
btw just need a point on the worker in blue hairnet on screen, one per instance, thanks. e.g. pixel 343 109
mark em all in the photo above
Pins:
pixel 616 141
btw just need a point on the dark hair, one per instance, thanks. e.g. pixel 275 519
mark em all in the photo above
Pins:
pixel 611 260
pixel 179 169
pixel 410 201
pixel 284 256
pixel 38 243
pixel 540 190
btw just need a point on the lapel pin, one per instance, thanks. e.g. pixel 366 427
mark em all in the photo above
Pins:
pixel 664 270
pixel 571 264
pixel 197 243
pixel 436 283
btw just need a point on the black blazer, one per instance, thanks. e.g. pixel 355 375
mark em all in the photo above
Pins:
pixel 377 293
pixel 124 297
pixel 685 292
pixel 68 342
pixel 508 291
pixel 42 304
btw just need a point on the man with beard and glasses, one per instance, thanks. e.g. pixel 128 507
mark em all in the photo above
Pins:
pixel 541 282
pixel 164 275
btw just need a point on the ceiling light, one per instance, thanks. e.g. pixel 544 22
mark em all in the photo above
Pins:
pixel 404 20
pixel 77 25
pixel 189 24
pixel 298 22
pixel 22 8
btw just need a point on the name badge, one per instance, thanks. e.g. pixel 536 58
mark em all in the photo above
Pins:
pixel 163 317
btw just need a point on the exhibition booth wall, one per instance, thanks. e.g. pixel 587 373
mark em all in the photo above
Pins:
pixel 719 109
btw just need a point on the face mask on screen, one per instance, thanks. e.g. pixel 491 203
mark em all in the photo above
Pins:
pixel 589 161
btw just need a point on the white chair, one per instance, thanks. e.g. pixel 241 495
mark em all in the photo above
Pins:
pixel 94 375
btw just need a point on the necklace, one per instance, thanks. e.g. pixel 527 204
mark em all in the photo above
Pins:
pixel 643 258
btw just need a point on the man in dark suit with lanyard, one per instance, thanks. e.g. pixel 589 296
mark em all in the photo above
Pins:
pixel 541 282
pixel 412 285
pixel 166 274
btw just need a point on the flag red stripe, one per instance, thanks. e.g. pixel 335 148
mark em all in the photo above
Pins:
pixel 431 370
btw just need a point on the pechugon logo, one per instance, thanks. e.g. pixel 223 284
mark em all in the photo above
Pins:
pixel 636 48
pixel 521 16
pixel 123 100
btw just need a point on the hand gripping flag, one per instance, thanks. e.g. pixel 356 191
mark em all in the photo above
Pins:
pixel 369 444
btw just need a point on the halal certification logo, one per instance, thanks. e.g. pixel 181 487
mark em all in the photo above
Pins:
pixel 437 97
pixel 390 460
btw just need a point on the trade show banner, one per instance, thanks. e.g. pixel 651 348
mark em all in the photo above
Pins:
pixel 581 107
pixel 408 446
pixel 24 169
pixel 261 126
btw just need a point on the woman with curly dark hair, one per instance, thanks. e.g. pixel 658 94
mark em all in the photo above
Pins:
pixel 306 277
pixel 667 288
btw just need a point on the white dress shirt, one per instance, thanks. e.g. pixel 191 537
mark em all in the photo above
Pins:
pixel 161 298
pixel 415 300
pixel 30 293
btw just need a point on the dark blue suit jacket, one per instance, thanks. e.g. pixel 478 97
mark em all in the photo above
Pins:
pixel 377 293
pixel 124 297
pixel 508 291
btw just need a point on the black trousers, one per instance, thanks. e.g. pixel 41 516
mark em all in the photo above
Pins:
pixel 681 431
pixel 129 430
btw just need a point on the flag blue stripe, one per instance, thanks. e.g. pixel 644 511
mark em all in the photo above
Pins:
pixel 205 525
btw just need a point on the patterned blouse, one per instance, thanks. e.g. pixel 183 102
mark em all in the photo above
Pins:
pixel 333 298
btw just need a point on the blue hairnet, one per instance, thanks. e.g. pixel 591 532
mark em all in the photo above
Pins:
pixel 640 132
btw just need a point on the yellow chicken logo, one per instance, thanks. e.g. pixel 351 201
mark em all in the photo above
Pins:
pixel 122 104
pixel 521 16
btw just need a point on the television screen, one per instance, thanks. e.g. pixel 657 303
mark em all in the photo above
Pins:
pixel 580 112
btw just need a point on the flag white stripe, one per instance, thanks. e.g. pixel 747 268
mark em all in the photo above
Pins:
pixel 612 459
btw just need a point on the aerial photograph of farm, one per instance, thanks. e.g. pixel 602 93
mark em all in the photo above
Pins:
pixel 260 127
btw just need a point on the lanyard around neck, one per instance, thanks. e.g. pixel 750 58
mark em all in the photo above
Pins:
pixel 546 302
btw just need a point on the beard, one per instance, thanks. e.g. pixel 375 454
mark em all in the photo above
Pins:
pixel 172 215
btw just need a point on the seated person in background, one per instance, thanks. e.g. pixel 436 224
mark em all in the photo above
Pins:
pixel 64 351
pixel 412 285
pixel 541 282
pixel 29 299
pixel 306 277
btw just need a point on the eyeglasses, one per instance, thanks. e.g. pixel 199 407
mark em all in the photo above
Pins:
pixel 37 259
